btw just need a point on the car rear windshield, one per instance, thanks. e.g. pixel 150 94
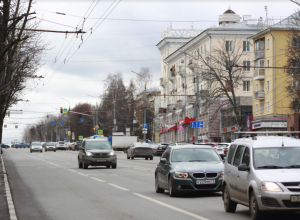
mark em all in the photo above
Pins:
pixel 61 142
pixel 142 145
pixel 194 155
pixel 95 145
pixel 36 143
pixel 277 158
pixel 50 144
pixel 222 145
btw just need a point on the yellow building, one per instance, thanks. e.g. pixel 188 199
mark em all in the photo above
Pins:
pixel 271 101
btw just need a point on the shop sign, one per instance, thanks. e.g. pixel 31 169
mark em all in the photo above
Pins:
pixel 232 128
pixel 249 119
pixel 270 125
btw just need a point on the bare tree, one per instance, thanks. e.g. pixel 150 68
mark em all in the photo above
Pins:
pixel 144 76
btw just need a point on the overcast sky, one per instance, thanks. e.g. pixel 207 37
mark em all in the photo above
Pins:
pixel 123 42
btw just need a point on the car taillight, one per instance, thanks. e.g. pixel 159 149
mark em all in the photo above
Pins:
pixel 215 148
pixel 225 148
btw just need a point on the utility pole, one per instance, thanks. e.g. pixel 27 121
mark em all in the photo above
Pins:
pixel 97 122
pixel 197 106
pixel 114 102
pixel 51 133
pixel 69 137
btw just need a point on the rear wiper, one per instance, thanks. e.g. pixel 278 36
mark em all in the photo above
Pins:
pixel 293 166
pixel 197 160
pixel 270 167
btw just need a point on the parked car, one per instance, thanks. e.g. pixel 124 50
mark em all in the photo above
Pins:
pixel 96 152
pixel 161 149
pixel 5 146
pixel 139 150
pixel 50 146
pixel 61 145
pixel 189 168
pixel 36 146
pixel 76 145
pixel 220 148
pixel 263 174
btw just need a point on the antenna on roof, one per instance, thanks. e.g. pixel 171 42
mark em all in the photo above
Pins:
pixel 266 9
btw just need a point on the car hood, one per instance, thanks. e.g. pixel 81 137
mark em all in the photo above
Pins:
pixel 100 151
pixel 279 175
pixel 191 167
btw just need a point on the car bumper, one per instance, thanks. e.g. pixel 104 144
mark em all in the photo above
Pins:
pixel 50 149
pixel 189 185
pixel 36 149
pixel 159 152
pixel 61 148
pixel 142 154
pixel 104 161
pixel 277 200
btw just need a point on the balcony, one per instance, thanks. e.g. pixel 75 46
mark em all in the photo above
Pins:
pixel 163 83
pixel 171 108
pixel 181 70
pixel 259 74
pixel 259 54
pixel 192 99
pixel 172 76
pixel 259 95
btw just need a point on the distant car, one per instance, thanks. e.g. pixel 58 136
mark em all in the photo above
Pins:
pixel 161 149
pixel 189 168
pixel 5 146
pixel 69 146
pixel 96 152
pixel 154 147
pixel 36 146
pixel 22 145
pixel 138 149
pixel 76 145
pixel 61 145
pixel 16 145
pixel 220 148
pixel 50 146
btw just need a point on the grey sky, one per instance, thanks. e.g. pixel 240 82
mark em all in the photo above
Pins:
pixel 116 45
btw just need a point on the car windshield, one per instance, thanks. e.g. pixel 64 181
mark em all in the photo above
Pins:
pixel 277 158
pixel 50 144
pixel 194 155
pixel 36 143
pixel 94 145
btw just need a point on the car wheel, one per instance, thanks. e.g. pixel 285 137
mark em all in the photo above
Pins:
pixel 229 205
pixel 157 188
pixel 128 157
pixel 55 151
pixel 79 164
pixel 114 166
pixel 45 151
pixel 30 151
pixel 132 157
pixel 146 158
pixel 151 158
pixel 108 166
pixel 172 193
pixel 256 214
pixel 85 166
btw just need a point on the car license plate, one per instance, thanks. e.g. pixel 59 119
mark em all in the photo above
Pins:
pixel 205 182
pixel 219 149
pixel 101 160
pixel 160 148
pixel 295 198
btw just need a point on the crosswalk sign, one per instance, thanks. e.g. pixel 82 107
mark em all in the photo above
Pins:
pixel 100 132
pixel 65 110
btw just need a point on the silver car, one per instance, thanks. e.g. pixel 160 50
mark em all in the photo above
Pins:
pixel 263 174
pixel 36 146
pixel 138 149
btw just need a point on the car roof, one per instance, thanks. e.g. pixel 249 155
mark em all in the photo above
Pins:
pixel 269 141
pixel 96 140
pixel 190 146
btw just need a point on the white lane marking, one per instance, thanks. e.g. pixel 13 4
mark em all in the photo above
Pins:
pixel 98 179
pixel 72 171
pixel 119 187
pixel 171 207
pixel 82 174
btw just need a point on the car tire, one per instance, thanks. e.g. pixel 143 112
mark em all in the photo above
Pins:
pixel 132 157
pixel 157 188
pixel 146 158
pixel 229 205
pixel 128 157
pixel 255 213
pixel 54 150
pixel 108 166
pixel 172 193
pixel 30 151
pixel 85 166
pixel 151 158
pixel 79 164
pixel 114 166
pixel 45 151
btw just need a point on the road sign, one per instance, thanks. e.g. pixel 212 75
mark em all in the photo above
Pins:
pixel 69 133
pixel 100 132
pixel 80 138
pixel 65 110
pixel 73 134
pixel 73 138
pixel 145 132
pixel 81 120
pixel 53 122
pixel 145 126
pixel 96 126
pixel 62 122
pixel 66 129
pixel 197 124
pixel 65 139
pixel 127 131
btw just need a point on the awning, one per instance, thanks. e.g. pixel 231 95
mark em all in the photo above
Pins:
pixel 173 128
pixel 186 120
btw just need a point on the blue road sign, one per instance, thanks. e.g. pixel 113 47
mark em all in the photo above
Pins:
pixel 53 122
pixel 65 139
pixel 62 122
pixel 81 120
pixel 145 125
pixel 197 124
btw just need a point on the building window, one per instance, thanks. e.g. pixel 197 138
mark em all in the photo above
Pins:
pixel 246 46
pixel 268 63
pixel 268 43
pixel 246 86
pixel 256 108
pixel 268 85
pixel 229 45
pixel 262 106
pixel 268 106
pixel 246 66
pixel 256 87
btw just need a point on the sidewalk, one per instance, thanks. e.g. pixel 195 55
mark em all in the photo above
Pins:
pixel 4 214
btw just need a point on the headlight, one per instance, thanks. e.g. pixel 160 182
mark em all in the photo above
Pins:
pixel 181 175
pixel 270 186
pixel 89 154
pixel 222 174
pixel 111 153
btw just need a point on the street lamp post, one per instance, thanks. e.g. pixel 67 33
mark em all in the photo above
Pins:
pixel 96 112
pixel 69 137
pixel 145 99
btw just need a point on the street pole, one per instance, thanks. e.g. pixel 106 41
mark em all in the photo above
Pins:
pixel 145 97
pixel 114 130
pixel 97 122
pixel 69 137
pixel 197 107
pixel 51 133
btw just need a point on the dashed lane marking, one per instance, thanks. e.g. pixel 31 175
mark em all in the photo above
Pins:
pixel 119 187
pixel 98 179
pixel 82 174
pixel 171 207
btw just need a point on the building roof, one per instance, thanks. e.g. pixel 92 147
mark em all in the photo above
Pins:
pixel 229 11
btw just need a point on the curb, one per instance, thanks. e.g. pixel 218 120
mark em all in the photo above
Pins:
pixel 10 203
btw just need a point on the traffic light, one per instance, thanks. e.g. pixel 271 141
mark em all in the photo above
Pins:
pixel 61 109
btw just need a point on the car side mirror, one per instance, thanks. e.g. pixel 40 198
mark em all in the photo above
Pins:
pixel 163 160
pixel 243 167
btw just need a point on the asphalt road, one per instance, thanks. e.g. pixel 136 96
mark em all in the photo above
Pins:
pixel 51 186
